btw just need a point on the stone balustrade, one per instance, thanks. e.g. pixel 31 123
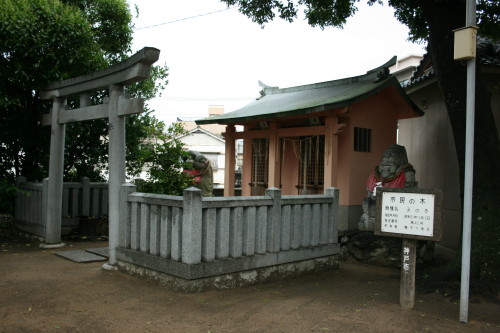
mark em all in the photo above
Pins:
pixel 85 199
pixel 194 237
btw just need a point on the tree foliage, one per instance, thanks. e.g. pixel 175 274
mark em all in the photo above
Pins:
pixel 162 155
pixel 43 41
pixel 111 25
pixel 431 21
pixel 321 13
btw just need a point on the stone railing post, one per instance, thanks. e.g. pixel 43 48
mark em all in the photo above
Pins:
pixel 191 226
pixel 124 223
pixel 273 224
pixel 85 197
pixel 333 224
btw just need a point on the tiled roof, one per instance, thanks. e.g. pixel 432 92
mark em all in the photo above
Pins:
pixel 277 103
pixel 199 129
pixel 215 129
pixel 488 53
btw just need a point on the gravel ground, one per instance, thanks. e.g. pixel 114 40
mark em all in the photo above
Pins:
pixel 42 292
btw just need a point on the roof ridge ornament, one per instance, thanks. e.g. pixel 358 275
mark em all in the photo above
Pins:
pixel 388 64
pixel 382 74
pixel 265 87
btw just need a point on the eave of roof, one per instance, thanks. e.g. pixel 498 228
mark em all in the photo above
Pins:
pixel 300 100
pixel 488 54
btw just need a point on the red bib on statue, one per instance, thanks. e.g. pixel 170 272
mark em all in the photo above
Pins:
pixel 195 174
pixel 398 182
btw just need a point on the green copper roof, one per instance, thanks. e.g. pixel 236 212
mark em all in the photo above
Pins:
pixel 317 97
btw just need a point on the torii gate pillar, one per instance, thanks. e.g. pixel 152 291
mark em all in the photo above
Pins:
pixel 56 169
pixel 116 167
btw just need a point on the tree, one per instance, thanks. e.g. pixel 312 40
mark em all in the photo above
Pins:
pixel 43 41
pixel 162 155
pixel 432 21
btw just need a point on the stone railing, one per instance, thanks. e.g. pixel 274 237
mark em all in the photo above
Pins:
pixel 195 237
pixel 85 199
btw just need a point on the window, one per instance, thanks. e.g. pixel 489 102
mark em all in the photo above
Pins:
pixel 312 157
pixel 362 139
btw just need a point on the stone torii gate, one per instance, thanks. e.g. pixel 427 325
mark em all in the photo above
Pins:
pixel 113 78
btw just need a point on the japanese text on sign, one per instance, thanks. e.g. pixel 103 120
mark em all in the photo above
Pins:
pixel 408 213
pixel 406 259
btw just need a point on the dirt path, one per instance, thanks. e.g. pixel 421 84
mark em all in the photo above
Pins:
pixel 42 292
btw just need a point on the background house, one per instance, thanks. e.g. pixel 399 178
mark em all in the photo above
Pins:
pixel 213 110
pixel 429 140
pixel 404 68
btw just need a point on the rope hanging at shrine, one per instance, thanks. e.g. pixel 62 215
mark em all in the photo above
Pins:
pixel 305 152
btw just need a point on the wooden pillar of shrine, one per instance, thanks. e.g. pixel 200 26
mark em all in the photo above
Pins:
pixel 331 152
pixel 274 166
pixel 230 161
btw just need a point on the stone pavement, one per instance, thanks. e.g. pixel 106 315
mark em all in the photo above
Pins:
pixel 87 255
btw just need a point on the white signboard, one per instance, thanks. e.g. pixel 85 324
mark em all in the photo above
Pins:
pixel 407 213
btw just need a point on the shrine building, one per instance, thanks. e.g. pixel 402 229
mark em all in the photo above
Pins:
pixel 308 138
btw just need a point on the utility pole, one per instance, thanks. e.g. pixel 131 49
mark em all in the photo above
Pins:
pixel 469 166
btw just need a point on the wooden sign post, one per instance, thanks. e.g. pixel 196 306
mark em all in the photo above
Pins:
pixel 411 214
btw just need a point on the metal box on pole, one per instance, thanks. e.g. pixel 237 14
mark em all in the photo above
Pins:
pixel 465 43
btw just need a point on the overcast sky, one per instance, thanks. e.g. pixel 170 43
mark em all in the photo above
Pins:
pixel 216 55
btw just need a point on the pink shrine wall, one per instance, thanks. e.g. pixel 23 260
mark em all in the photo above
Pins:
pixel 377 114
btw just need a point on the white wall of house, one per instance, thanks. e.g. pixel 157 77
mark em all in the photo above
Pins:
pixel 404 67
